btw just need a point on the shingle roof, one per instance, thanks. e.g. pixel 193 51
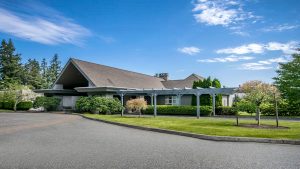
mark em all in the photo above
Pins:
pixel 101 75
pixel 187 82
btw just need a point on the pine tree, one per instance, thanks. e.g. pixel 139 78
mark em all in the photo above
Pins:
pixel 10 66
pixel 288 81
pixel 32 74
pixel 54 69
pixel 45 74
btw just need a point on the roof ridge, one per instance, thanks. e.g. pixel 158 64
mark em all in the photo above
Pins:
pixel 116 68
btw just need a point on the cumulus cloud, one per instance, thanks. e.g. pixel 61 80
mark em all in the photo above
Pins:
pixel 286 48
pixel 192 50
pixel 40 24
pixel 227 13
pixel 263 64
pixel 280 28
pixel 231 58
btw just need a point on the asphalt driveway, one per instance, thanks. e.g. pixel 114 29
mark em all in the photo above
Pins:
pixel 69 141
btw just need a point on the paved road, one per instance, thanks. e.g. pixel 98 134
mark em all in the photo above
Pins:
pixel 67 141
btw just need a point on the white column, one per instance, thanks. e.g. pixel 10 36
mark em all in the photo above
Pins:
pixel 198 105
pixel 155 107
pixel 179 99
pixel 214 104
pixel 122 101
pixel 151 99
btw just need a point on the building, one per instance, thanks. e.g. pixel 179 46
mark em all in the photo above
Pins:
pixel 81 78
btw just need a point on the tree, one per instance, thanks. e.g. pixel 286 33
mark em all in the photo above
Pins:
pixel 54 69
pixel 258 92
pixel 10 66
pixel 206 99
pixel 217 84
pixel 136 105
pixel 32 74
pixel 15 94
pixel 288 81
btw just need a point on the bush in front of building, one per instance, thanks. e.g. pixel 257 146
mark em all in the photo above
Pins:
pixel 8 105
pixel 98 104
pixel 179 110
pixel 246 106
pixel 136 105
pixel 226 110
pixel 25 105
pixel 48 103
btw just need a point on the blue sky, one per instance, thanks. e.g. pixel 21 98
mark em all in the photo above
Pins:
pixel 234 41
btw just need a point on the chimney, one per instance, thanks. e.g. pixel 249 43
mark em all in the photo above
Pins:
pixel 162 75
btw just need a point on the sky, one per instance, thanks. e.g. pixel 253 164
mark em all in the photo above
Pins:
pixel 234 41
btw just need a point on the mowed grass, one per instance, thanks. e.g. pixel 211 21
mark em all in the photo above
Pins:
pixel 209 126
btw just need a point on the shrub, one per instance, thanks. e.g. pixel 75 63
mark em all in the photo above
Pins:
pixel 49 103
pixel 226 110
pixel 1 105
pixel 25 105
pixel 8 105
pixel 98 104
pixel 136 105
pixel 246 106
pixel 179 110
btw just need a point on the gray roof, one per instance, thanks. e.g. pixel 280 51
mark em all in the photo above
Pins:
pixel 106 76
pixel 101 75
pixel 187 82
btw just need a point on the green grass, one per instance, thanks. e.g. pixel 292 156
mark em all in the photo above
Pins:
pixel 209 126
pixel 5 111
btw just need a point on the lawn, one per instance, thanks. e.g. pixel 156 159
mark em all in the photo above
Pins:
pixel 5 111
pixel 209 126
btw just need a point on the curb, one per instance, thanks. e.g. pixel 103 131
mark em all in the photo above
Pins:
pixel 201 136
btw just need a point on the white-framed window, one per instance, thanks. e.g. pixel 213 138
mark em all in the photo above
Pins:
pixel 171 100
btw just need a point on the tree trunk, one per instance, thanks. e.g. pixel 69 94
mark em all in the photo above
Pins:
pixel 258 116
pixel 237 120
pixel 15 106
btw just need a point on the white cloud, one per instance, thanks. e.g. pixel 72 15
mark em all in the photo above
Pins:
pixel 231 58
pixel 286 48
pixel 227 13
pixel 244 49
pixel 280 28
pixel 263 64
pixel 192 50
pixel 47 28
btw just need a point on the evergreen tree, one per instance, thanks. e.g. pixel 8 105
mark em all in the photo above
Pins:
pixel 54 69
pixel 10 66
pixel 32 74
pixel 217 84
pixel 288 81
pixel 45 74
pixel 205 99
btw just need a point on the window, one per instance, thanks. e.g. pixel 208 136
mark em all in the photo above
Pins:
pixel 171 100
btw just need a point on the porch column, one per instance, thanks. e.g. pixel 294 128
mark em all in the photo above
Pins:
pixel 214 104
pixel 179 99
pixel 151 99
pixel 155 107
pixel 198 105
pixel 122 101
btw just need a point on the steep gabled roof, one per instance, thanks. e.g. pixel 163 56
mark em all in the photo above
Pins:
pixel 187 82
pixel 102 76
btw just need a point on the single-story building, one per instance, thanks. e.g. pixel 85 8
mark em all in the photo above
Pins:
pixel 81 78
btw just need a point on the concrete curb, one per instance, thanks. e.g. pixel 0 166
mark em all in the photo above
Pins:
pixel 201 136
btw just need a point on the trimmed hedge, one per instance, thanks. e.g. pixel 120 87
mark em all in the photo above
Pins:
pixel 226 110
pixel 26 105
pixel 179 110
pixel 270 111
pixel 8 105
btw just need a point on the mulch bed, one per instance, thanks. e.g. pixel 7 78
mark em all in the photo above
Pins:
pixel 263 126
